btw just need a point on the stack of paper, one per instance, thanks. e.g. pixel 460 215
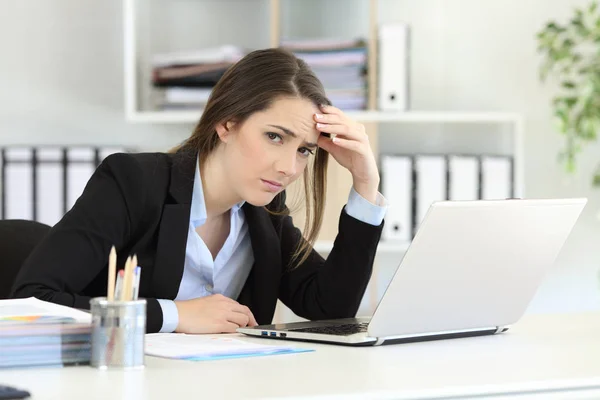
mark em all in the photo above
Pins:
pixel 185 79
pixel 35 333
pixel 341 65
pixel 204 347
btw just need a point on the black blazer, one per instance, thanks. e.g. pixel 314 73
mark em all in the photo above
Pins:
pixel 141 204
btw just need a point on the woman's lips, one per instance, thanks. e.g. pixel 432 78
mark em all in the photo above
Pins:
pixel 272 186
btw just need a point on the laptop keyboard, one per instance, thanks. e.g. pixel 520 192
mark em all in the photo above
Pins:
pixel 341 330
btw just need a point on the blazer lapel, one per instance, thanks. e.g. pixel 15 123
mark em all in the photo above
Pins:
pixel 174 224
pixel 261 290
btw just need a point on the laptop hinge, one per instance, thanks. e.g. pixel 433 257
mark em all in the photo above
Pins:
pixel 503 328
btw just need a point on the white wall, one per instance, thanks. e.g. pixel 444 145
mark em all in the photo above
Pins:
pixel 61 76
pixel 61 81
pixel 481 55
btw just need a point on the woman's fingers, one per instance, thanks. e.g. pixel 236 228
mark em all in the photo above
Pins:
pixel 228 327
pixel 346 131
pixel 328 118
pixel 241 309
pixel 335 122
pixel 331 110
pixel 325 143
pixel 348 144
pixel 238 318
pixel 236 312
pixel 335 129
pixel 253 321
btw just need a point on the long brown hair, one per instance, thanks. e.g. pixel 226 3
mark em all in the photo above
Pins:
pixel 252 85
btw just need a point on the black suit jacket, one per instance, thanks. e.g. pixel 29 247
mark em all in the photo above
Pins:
pixel 141 204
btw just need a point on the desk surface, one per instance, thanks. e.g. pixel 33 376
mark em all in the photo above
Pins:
pixel 557 352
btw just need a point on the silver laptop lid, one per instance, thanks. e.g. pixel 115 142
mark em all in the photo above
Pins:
pixel 474 264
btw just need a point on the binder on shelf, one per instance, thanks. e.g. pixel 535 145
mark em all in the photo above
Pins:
pixel 81 163
pixel 17 188
pixel 431 183
pixel 397 187
pixel 496 177
pixel 42 183
pixel 463 177
pixel 49 185
pixel 393 67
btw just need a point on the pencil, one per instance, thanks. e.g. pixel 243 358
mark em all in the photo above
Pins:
pixel 132 281
pixel 125 294
pixel 136 285
pixel 119 286
pixel 112 271
pixel 134 267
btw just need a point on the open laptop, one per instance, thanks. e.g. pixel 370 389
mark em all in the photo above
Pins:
pixel 472 269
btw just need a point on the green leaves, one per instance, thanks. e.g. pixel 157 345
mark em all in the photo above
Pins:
pixel 596 180
pixel 571 54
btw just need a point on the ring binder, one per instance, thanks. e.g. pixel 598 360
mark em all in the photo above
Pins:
pixel 412 182
pixel 42 183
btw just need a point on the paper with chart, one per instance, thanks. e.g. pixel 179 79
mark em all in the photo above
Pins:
pixel 210 347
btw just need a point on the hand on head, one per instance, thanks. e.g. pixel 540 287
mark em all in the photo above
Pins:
pixel 349 145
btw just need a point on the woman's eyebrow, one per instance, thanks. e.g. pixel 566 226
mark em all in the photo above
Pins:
pixel 292 134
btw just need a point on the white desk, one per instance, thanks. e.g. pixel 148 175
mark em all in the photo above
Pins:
pixel 560 352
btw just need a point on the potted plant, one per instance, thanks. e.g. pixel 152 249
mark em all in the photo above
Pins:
pixel 571 54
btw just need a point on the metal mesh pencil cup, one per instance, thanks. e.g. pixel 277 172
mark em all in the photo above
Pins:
pixel 118 329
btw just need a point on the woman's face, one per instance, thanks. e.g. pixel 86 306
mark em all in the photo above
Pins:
pixel 270 149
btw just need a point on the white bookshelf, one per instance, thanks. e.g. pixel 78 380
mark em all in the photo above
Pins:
pixel 136 86
pixel 137 44
pixel 380 117
pixel 277 18
pixel 192 117
pixel 133 82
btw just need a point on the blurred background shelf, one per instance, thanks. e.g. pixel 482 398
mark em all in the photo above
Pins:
pixel 171 29
pixel 191 117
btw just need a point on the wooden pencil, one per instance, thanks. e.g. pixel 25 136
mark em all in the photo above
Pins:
pixel 127 280
pixel 112 271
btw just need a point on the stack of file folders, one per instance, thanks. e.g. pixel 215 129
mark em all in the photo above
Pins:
pixel 44 342
pixel 184 80
pixel 39 333
pixel 340 64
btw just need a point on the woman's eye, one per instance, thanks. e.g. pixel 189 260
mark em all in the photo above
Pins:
pixel 274 136
pixel 305 151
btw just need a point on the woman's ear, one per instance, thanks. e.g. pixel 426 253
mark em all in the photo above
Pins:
pixel 224 130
